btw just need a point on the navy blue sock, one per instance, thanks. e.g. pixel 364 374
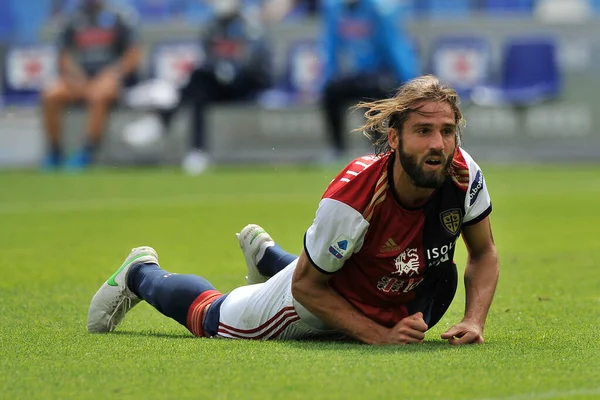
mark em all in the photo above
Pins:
pixel 171 294
pixel 274 260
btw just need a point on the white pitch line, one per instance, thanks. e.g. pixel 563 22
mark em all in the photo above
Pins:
pixel 548 395
pixel 145 202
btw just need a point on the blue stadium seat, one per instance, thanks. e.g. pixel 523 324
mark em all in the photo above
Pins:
pixel 66 6
pixel 298 12
pixel 464 62
pixel 202 10
pixel 302 81
pixel 508 6
pixel 595 4
pixel 446 8
pixel 154 10
pixel 6 22
pixel 530 74
pixel 28 20
pixel 197 11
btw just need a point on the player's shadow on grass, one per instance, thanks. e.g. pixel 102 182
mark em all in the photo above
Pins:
pixel 171 335
pixel 312 345
pixel 342 345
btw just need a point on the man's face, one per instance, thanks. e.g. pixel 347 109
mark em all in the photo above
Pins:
pixel 426 145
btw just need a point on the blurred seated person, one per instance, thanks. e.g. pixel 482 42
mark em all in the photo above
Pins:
pixel 99 55
pixel 236 68
pixel 367 56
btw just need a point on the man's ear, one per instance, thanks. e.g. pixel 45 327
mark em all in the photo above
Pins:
pixel 393 138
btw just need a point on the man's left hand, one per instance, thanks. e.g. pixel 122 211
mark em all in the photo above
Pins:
pixel 464 333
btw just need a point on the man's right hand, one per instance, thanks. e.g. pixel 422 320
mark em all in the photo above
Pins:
pixel 409 330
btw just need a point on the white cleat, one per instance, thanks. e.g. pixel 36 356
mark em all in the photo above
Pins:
pixel 195 163
pixel 251 239
pixel 114 299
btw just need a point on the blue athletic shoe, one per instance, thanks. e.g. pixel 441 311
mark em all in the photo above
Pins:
pixel 51 162
pixel 79 160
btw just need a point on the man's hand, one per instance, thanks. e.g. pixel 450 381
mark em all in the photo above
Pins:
pixel 409 330
pixel 464 333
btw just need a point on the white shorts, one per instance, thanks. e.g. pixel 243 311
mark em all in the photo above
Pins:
pixel 268 311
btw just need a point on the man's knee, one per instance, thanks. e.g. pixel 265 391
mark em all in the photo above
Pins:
pixel 55 94
pixel 99 98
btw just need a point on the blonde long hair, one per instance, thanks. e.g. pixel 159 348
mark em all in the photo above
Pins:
pixel 394 111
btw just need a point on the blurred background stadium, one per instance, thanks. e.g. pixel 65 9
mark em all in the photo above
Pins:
pixel 528 71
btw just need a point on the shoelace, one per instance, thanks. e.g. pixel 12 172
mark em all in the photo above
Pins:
pixel 119 313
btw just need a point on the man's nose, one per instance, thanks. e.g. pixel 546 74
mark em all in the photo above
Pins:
pixel 437 141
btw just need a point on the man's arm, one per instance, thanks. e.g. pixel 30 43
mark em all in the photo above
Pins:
pixel 129 61
pixel 310 287
pixel 68 67
pixel 481 277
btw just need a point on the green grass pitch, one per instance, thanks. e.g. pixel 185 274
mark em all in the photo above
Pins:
pixel 61 236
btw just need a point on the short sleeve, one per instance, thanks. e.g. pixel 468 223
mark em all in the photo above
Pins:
pixel 478 204
pixel 336 233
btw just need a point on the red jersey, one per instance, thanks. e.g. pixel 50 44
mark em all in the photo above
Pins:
pixel 379 251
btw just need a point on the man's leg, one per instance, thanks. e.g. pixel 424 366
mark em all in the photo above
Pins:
pixel 274 260
pixel 101 93
pixel 264 257
pixel 172 294
pixel 186 94
pixel 339 93
pixel 54 99
pixel 184 298
pixel 201 90
pixel 333 99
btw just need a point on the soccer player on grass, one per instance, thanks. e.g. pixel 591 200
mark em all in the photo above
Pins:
pixel 377 260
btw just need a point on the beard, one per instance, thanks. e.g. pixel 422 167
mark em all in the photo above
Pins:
pixel 416 171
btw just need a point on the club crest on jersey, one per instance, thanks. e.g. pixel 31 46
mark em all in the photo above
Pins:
pixel 452 220
pixel 407 263
pixel 339 248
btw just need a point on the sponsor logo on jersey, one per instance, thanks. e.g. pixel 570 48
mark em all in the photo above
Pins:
pixel 451 220
pixel 389 246
pixel 476 187
pixel 339 247
pixel 407 263
pixel 438 255
pixel 390 284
